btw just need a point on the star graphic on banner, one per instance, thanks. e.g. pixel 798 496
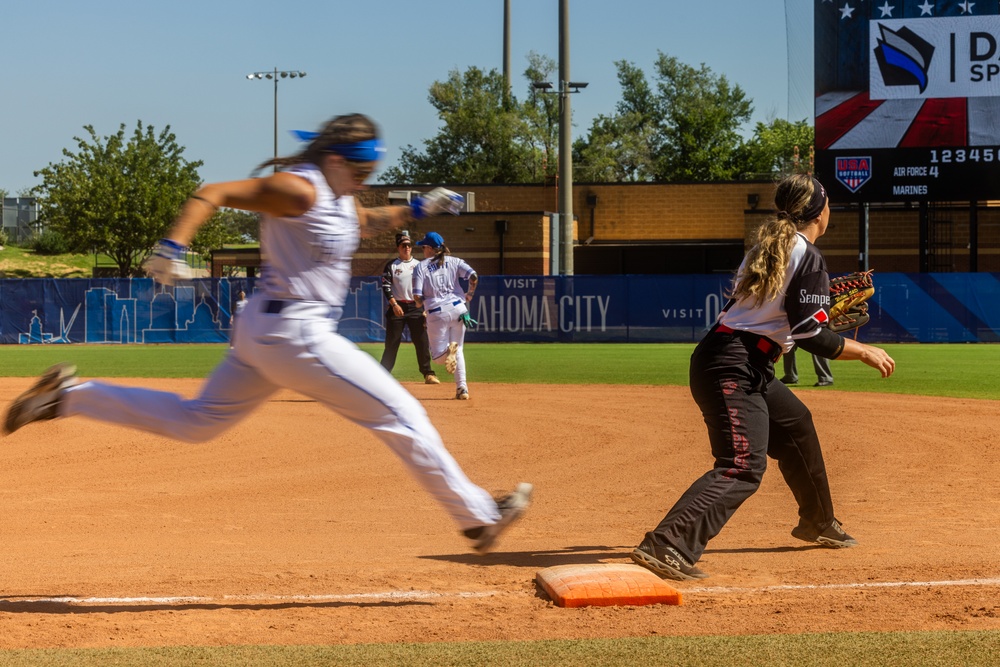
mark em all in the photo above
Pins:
pixel 926 8
pixel 846 11
pixel 966 6
pixel 886 10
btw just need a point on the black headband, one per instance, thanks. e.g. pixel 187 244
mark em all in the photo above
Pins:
pixel 816 203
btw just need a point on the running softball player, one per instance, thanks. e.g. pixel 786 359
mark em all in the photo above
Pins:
pixel 779 299
pixel 287 335
pixel 436 288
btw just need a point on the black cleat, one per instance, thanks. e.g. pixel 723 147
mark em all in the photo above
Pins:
pixel 512 507
pixel 832 536
pixel 42 401
pixel 665 561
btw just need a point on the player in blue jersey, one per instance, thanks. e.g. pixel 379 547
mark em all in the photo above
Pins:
pixel 436 287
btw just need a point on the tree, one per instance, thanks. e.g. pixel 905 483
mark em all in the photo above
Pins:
pixel 541 112
pixel 481 141
pixel 621 147
pixel 779 148
pixel 227 225
pixel 686 128
pixel 702 115
pixel 117 195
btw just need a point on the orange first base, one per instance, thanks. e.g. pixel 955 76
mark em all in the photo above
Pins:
pixel 605 585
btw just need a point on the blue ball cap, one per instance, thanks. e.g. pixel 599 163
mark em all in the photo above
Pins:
pixel 432 239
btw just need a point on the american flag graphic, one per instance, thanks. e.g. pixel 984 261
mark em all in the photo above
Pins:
pixel 846 116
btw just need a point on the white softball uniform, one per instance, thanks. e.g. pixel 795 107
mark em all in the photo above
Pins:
pixel 287 337
pixel 444 303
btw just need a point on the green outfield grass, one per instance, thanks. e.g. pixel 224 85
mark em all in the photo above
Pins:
pixel 961 371
pixel 934 370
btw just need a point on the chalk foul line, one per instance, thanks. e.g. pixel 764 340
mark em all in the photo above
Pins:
pixel 868 584
pixel 240 599
pixel 432 595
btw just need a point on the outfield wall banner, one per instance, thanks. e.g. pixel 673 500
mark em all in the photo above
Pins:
pixel 908 100
pixel 926 308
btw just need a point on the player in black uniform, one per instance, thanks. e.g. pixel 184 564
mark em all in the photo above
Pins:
pixel 397 286
pixel 780 297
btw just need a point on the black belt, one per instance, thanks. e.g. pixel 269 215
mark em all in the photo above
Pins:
pixel 770 349
pixel 274 306
pixel 438 309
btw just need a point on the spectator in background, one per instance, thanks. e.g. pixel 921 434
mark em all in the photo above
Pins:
pixel 824 376
pixel 241 303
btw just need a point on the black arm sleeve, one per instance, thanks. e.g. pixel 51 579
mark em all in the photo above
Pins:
pixel 387 280
pixel 824 344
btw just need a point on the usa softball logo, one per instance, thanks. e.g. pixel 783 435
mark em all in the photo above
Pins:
pixel 903 58
pixel 853 172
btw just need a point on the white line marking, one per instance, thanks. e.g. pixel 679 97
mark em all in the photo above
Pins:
pixel 815 587
pixel 230 599
pixel 431 595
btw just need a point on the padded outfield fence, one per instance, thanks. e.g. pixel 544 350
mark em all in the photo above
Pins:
pixel 925 308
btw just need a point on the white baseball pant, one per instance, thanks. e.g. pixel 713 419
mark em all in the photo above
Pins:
pixel 296 346
pixel 443 328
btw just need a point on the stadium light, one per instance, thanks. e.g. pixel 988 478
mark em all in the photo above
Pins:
pixel 275 74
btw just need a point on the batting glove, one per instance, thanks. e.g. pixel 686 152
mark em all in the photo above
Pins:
pixel 468 321
pixel 438 200
pixel 166 265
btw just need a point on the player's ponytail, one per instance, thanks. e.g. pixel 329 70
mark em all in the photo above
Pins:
pixel 796 199
pixel 439 255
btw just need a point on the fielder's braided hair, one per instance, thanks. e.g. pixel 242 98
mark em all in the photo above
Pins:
pixel 347 129
pixel 763 271
pixel 439 255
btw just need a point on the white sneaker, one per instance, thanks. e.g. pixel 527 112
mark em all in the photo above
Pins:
pixel 451 361
pixel 462 394
pixel 42 401
pixel 511 507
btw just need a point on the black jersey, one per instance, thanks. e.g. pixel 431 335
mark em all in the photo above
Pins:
pixel 801 308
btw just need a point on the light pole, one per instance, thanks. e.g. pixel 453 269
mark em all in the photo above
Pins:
pixel 566 88
pixel 565 140
pixel 276 74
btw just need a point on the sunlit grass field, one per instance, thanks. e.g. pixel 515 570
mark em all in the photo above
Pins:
pixel 960 371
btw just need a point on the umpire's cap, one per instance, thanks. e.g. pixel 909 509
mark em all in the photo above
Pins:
pixel 403 237
pixel 433 239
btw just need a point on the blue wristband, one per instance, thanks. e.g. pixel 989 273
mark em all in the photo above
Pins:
pixel 416 207
pixel 176 248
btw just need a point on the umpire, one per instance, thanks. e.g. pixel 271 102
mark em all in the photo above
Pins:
pixel 397 285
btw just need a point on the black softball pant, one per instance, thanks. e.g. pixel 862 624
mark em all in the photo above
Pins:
pixel 414 320
pixel 750 416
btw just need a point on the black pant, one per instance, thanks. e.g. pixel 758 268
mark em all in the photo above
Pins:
pixel 414 320
pixel 750 416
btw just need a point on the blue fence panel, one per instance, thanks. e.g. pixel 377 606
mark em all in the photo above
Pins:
pixel 944 308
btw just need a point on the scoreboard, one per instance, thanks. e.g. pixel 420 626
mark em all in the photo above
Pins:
pixel 908 100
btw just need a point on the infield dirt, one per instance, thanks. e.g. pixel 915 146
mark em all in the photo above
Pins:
pixel 299 527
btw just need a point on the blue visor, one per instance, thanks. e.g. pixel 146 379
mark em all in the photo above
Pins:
pixel 370 150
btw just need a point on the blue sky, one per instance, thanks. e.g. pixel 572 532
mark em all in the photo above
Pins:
pixel 183 63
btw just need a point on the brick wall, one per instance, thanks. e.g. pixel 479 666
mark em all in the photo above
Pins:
pixel 660 213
